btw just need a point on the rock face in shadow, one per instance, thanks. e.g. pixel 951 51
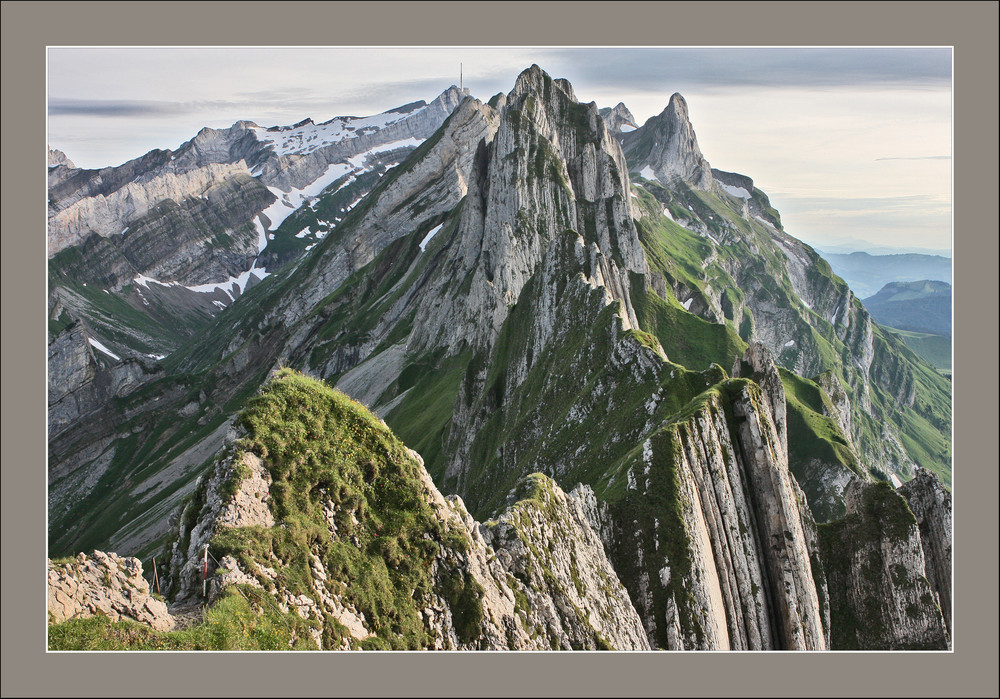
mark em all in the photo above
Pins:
pixel 930 502
pixel 879 594
pixel 82 379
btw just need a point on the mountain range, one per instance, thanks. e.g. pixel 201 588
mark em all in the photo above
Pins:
pixel 660 420
pixel 867 273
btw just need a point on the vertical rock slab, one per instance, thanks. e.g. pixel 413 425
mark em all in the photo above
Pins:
pixel 773 493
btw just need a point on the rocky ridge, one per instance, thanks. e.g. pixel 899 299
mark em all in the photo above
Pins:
pixel 174 236
pixel 494 372
pixel 537 578
pixel 774 289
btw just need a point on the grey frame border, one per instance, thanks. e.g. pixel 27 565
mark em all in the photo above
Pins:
pixel 971 27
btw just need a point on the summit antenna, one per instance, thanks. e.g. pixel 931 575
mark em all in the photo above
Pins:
pixel 461 78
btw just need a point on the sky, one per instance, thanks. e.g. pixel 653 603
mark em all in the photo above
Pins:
pixel 852 145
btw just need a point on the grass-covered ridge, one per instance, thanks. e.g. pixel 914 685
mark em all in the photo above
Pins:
pixel 238 621
pixel 327 453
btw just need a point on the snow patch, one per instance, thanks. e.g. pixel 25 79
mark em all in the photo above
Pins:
pixel 303 233
pixel 648 173
pixel 625 128
pixel 310 137
pixel 157 357
pixel 895 481
pixel 145 281
pixel 687 304
pixel 738 192
pixel 230 285
pixel 430 234
pixel 97 345
pixel 790 343
pixel 288 202
pixel 358 160
pixel 765 222
pixel 666 212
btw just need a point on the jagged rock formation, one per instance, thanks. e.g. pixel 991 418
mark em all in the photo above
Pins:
pixel 618 119
pixel 571 593
pixel 772 288
pixel 725 560
pixel 668 147
pixel 57 157
pixel 104 584
pixel 879 595
pixel 537 578
pixel 155 248
pixel 930 503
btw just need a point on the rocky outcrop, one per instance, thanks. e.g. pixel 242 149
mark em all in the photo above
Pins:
pixel 930 503
pixel 234 495
pixel 80 383
pixel 536 578
pixel 618 119
pixel 879 595
pixel 57 157
pixel 104 584
pixel 566 589
pixel 725 563
pixel 111 214
pixel 552 167
pixel 666 145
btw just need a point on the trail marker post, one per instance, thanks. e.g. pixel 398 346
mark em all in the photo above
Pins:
pixel 204 576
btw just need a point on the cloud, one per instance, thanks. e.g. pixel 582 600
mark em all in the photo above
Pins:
pixel 916 157
pixel 113 108
pixel 657 69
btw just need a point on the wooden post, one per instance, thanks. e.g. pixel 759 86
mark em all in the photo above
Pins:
pixel 156 578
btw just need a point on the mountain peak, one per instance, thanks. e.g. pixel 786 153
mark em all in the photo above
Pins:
pixel 57 157
pixel 534 79
pixel 666 147
pixel 677 104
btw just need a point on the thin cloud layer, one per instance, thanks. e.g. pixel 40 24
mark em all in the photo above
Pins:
pixel 804 123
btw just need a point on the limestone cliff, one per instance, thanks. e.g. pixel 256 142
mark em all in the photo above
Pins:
pixel 513 304
pixel 879 593
pixel 666 148
pixel 104 584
